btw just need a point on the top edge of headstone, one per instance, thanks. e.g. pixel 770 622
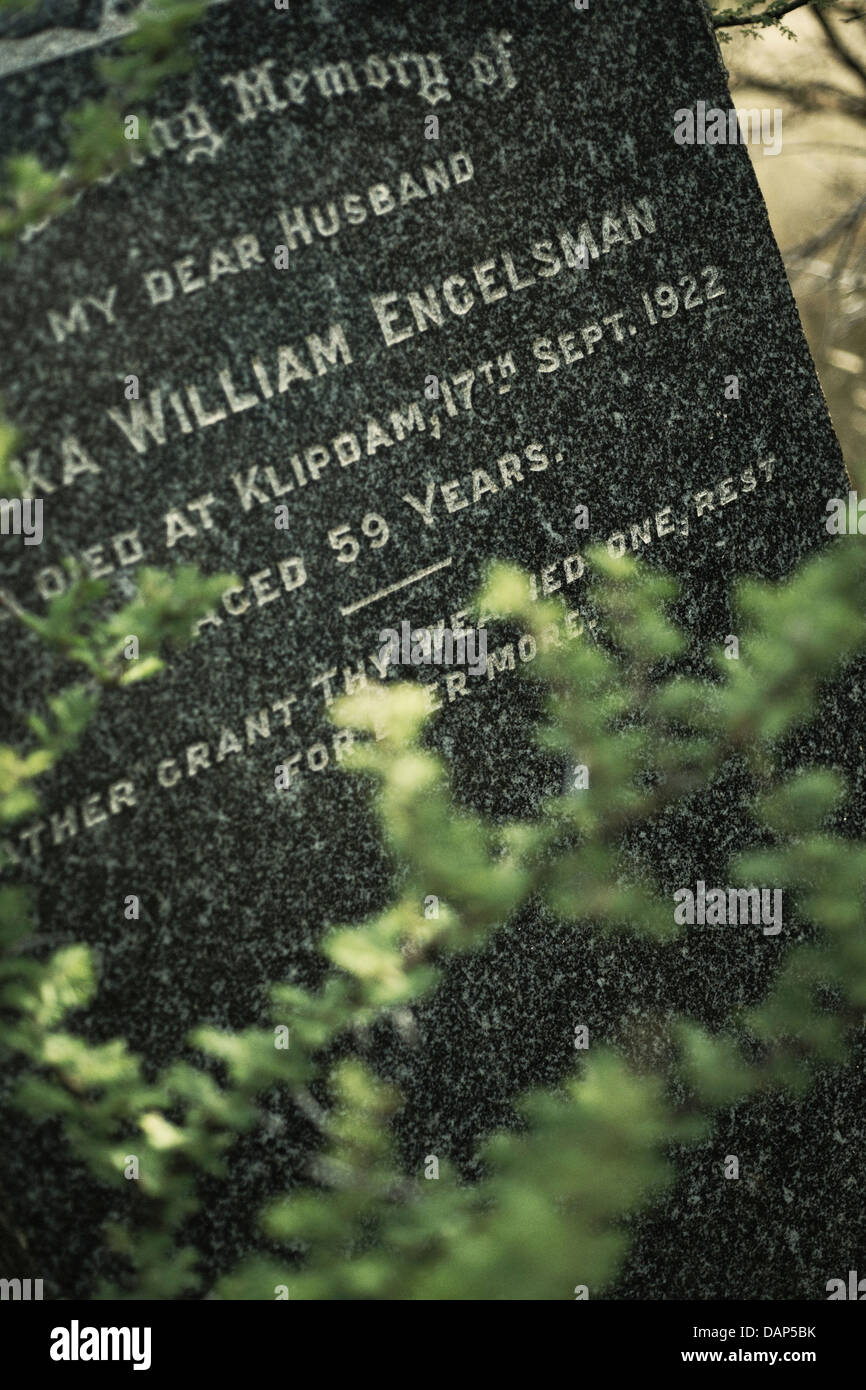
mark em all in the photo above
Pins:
pixel 56 42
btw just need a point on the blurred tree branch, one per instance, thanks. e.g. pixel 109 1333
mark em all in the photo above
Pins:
pixel 730 19
pixel 807 96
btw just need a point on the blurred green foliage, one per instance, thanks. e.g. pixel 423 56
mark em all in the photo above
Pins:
pixel 549 1214
pixel 156 49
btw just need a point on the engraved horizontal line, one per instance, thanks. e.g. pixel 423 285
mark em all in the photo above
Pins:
pixel 392 588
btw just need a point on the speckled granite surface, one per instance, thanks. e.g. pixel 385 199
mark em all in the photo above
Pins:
pixel 554 126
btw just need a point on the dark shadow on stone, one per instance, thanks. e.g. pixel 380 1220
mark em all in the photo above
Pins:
pixel 52 14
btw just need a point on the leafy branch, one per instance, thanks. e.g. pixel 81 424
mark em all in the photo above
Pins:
pixel 157 49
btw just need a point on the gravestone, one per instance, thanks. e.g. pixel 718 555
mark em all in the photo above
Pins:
pixel 432 279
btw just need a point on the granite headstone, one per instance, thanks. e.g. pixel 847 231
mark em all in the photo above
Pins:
pixel 432 279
